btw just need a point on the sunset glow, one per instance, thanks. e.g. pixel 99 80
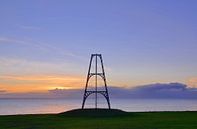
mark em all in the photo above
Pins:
pixel 41 83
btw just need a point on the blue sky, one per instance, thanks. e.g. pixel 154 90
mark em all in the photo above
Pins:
pixel 142 41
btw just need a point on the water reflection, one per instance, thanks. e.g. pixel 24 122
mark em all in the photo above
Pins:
pixel 42 106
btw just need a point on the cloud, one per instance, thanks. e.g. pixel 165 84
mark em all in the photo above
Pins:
pixel 158 90
pixel 151 91
pixel 30 27
pixel 15 65
pixel 161 87
pixel 154 91
pixel 192 82
pixel 55 93
pixel 26 95
pixel 67 93
pixel 39 45
pixel 2 91
pixel 4 40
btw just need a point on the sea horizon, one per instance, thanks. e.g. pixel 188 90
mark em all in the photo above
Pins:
pixel 16 106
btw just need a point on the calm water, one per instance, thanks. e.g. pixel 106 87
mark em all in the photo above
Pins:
pixel 34 106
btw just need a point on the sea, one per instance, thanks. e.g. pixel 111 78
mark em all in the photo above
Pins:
pixel 51 106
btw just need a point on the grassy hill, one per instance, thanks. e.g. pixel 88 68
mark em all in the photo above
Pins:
pixel 102 119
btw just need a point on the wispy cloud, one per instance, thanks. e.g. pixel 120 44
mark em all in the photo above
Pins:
pixel 39 45
pixel 4 40
pixel 28 27
pixel 23 66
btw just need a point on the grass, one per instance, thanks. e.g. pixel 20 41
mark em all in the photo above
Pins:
pixel 102 119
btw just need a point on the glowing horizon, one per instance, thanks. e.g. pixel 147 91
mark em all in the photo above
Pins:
pixel 44 83
pixel 38 83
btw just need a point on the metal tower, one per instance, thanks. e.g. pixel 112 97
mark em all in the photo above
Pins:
pixel 96 74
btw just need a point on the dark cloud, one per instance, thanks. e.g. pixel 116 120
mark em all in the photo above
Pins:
pixel 66 93
pixel 158 90
pixel 162 87
pixel 2 91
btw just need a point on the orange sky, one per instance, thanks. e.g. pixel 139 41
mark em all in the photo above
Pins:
pixel 34 83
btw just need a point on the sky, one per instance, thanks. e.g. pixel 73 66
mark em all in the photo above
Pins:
pixel 46 44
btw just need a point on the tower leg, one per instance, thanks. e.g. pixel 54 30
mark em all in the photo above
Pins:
pixel 83 103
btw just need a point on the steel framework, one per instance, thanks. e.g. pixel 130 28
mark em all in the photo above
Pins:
pixel 96 74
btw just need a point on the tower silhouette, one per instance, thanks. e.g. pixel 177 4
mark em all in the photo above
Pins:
pixel 90 74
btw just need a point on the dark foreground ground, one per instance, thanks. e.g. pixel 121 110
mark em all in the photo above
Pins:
pixel 102 119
